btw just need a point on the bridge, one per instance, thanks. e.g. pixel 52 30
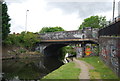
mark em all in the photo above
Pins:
pixel 51 43
pixel 108 38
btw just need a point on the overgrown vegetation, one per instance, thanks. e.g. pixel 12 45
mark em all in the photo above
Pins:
pixel 67 71
pixel 25 40
pixel 69 50
pixel 100 71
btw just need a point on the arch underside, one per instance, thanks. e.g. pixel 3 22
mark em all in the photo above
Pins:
pixel 53 49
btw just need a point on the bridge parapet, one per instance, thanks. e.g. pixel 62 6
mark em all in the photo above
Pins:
pixel 86 33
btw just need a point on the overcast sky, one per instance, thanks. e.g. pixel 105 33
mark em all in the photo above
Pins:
pixel 68 14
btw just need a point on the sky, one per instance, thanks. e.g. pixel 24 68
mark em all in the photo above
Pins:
pixel 68 14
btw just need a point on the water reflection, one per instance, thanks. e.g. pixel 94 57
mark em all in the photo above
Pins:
pixel 29 69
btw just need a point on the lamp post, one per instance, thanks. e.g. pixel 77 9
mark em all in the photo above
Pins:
pixel 26 21
pixel 113 9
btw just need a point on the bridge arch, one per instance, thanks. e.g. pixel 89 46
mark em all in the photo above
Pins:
pixel 54 50
pixel 51 42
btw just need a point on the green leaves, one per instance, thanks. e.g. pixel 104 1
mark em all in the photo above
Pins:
pixel 51 29
pixel 27 40
pixel 5 22
pixel 94 22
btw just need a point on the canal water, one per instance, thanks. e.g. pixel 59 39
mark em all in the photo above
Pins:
pixel 29 69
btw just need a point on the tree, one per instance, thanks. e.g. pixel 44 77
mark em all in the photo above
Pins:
pixel 51 29
pixel 5 21
pixel 0 21
pixel 29 39
pixel 94 22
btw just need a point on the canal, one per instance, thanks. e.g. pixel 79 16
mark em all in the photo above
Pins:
pixel 29 69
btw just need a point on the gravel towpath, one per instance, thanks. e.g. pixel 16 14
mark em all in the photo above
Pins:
pixel 85 67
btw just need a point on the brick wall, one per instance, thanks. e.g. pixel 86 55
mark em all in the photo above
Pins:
pixel 110 52
pixel 109 42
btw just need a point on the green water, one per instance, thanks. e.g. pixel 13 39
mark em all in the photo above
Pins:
pixel 29 69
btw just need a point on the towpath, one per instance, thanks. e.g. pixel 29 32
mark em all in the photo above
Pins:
pixel 85 67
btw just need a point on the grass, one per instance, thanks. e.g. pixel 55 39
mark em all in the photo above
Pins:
pixel 67 71
pixel 100 71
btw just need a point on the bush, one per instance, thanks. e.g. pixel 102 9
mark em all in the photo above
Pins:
pixel 25 40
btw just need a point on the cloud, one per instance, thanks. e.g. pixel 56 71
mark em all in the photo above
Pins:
pixel 15 1
pixel 1 0
pixel 84 9
pixel 39 16
pixel 80 0
pixel 44 13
